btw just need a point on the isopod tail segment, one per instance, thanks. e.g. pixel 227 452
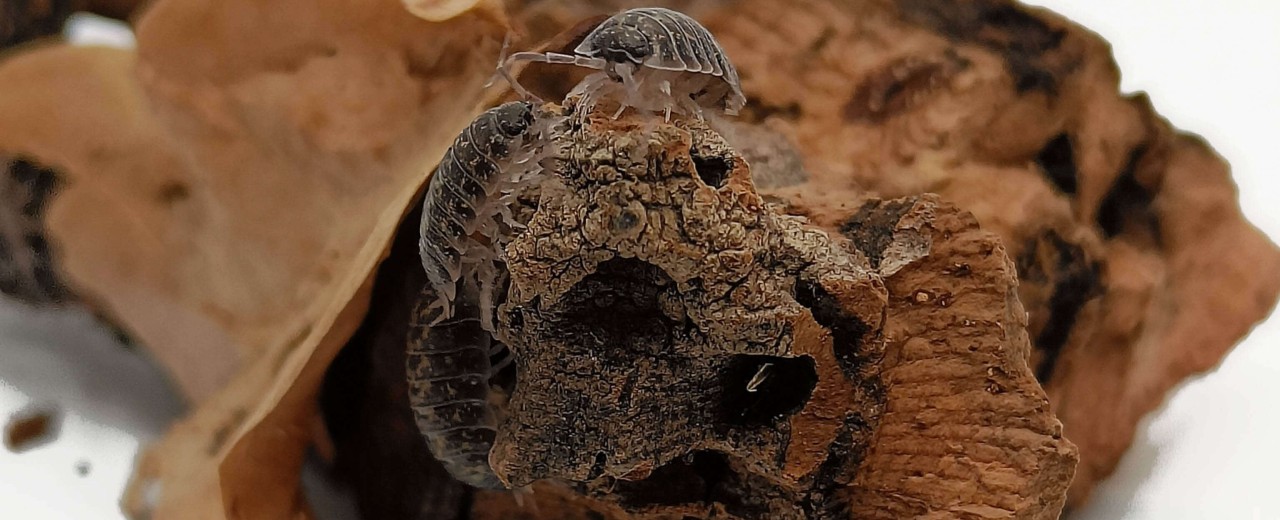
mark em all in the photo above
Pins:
pixel 450 374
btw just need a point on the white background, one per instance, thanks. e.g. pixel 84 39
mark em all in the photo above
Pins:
pixel 1212 452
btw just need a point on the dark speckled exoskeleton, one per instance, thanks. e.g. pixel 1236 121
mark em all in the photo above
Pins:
pixel 663 59
pixel 466 219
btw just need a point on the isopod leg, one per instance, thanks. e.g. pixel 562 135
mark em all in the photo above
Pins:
pixel 665 87
pixel 505 70
pixel 625 73
pixel 587 92
pixel 544 57
pixel 502 60
pixel 691 106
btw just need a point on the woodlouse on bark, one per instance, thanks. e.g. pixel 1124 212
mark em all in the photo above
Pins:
pixel 467 205
pixel 663 59
pixel 466 220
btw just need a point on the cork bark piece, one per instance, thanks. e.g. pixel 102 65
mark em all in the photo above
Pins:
pixel 321 120
pixel 1135 264
pixel 652 285
pixel 967 432
pixel 651 288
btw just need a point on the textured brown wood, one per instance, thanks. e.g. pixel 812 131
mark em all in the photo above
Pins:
pixel 967 431
pixel 653 287
pixel 1134 264
pixel 924 404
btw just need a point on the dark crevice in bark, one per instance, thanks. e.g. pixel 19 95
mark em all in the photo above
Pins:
pixel 1057 160
pixel 871 228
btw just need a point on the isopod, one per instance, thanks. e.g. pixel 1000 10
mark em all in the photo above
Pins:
pixel 466 219
pixel 449 372
pixel 662 58
pixel 468 200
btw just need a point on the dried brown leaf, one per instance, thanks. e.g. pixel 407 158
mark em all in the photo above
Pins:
pixel 230 193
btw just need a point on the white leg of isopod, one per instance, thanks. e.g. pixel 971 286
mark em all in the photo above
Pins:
pixel 625 73
pixel 665 87
pixel 502 60
pixel 547 57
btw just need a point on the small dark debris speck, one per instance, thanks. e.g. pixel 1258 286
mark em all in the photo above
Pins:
pixel 31 428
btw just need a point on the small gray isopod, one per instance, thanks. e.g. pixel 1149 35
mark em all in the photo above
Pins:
pixel 662 58
pixel 469 198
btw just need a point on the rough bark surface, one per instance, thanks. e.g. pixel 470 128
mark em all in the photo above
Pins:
pixel 635 346
pixel 649 289
pixel 652 286
pixel 1135 264
pixel 967 431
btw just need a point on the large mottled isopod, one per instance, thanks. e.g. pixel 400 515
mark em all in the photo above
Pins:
pixel 451 349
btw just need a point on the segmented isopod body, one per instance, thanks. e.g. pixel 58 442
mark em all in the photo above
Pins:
pixel 468 199
pixel 652 48
pixel 449 372
pixel 466 219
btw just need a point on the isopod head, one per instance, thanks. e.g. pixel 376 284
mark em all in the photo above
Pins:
pixel 619 43
pixel 514 119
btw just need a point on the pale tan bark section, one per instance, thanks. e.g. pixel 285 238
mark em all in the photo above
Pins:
pixel 967 432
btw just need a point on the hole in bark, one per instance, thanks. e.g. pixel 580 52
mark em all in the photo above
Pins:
pixel 846 329
pixel 689 479
pixel 1057 159
pixel 702 477
pixel 597 467
pixel 760 390
pixel 618 305
pixel 625 221
pixel 1127 206
pixel 714 170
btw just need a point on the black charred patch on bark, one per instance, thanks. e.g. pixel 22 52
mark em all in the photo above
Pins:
pixel 1002 27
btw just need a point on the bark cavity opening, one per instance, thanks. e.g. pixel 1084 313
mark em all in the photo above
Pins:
pixel 618 305
pixel 761 390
